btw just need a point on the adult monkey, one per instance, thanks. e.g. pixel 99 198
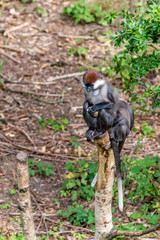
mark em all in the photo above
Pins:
pixel 102 111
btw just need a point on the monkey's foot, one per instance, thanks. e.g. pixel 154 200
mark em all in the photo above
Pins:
pixel 112 136
pixel 91 134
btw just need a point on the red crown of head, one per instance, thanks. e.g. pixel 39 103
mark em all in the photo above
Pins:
pixel 91 76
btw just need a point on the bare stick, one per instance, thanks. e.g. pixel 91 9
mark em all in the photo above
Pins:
pixel 16 28
pixel 24 132
pixel 103 194
pixel 10 57
pixel 60 78
pixel 11 48
pixel 71 36
pixel 24 196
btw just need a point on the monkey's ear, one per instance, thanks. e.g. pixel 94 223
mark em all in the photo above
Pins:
pixel 82 84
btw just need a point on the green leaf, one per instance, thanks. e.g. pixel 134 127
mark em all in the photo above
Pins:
pixel 136 169
pixel 136 215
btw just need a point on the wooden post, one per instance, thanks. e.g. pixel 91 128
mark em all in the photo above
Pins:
pixel 24 197
pixel 103 194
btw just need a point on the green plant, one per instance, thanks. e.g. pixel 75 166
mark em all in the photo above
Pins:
pixel 141 175
pixel 80 51
pixel 74 142
pixel 78 215
pixel 40 11
pixel 5 206
pixel 77 183
pixel 79 236
pixel 82 12
pixel 147 131
pixel 55 124
pixel 12 191
pixel 39 167
pixel 141 54
pixel 19 236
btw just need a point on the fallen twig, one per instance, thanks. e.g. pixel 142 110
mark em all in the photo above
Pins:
pixel 71 36
pixel 16 28
pixel 60 78
pixel 10 57
pixel 35 150
pixel 41 215
pixel 33 96
pixel 37 214
pixel 11 48
pixel 24 132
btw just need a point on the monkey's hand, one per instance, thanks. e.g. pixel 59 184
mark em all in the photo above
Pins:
pixel 91 134
pixel 94 110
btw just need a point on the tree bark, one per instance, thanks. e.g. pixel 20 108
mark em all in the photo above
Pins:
pixel 103 194
pixel 24 197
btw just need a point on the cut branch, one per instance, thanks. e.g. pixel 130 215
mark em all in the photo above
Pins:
pixel 103 194
pixel 24 196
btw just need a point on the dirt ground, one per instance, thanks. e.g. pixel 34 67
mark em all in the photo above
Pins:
pixel 35 50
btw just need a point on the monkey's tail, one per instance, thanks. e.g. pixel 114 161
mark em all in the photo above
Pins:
pixel 119 174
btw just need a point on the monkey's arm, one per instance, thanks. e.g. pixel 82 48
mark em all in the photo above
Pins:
pixel 99 106
pixel 92 132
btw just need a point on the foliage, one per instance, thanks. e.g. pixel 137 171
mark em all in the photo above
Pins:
pixel 79 236
pixel 79 178
pixel 74 142
pixel 143 175
pixel 131 227
pixel 147 131
pixel 81 51
pixel 55 124
pixel 12 191
pixel 19 236
pixel 39 167
pixel 82 12
pixel 141 54
pixel 40 11
pixel 5 206
pixel 78 215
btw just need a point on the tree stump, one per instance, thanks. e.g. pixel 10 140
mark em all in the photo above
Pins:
pixel 24 197
pixel 103 194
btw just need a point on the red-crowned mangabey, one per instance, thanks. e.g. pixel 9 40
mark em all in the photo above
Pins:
pixel 102 111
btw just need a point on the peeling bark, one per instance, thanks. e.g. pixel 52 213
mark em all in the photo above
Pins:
pixel 24 197
pixel 103 194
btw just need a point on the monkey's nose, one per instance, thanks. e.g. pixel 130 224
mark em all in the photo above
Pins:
pixel 89 89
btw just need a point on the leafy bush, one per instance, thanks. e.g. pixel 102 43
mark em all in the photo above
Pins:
pixel 40 168
pixel 56 124
pixel 143 175
pixel 78 215
pixel 77 183
pixel 82 12
pixel 19 236
pixel 141 54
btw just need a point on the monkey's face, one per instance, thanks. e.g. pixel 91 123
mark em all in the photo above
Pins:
pixel 92 82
